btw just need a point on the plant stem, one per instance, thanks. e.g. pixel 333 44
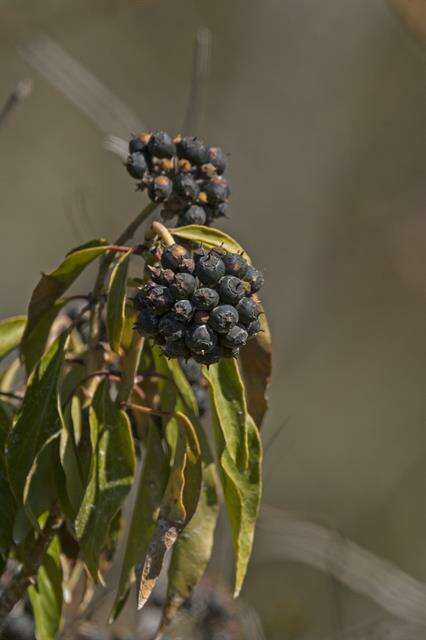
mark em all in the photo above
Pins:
pixel 160 230
pixel 27 572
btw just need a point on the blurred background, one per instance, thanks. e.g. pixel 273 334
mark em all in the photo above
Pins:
pixel 322 108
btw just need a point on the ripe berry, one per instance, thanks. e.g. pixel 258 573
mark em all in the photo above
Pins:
pixel 193 215
pixel 176 349
pixel 216 212
pixel 136 165
pixel 161 276
pixel 183 286
pixel 210 269
pixel 177 258
pixel 160 145
pixel 160 188
pixel 200 339
pixel 235 338
pixel 248 310
pixel 217 158
pixel 235 264
pixel 138 143
pixel 223 318
pixel 216 190
pixel 205 299
pixel 231 289
pixel 159 299
pixel 199 253
pixel 147 323
pixel 209 358
pixel 183 310
pixel 184 186
pixel 140 299
pixel 253 328
pixel 171 328
pixel 255 278
pixel 192 149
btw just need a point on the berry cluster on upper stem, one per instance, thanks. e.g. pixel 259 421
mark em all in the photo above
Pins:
pixel 184 174
pixel 200 303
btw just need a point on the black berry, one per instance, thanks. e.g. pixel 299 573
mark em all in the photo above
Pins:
pixel 217 158
pixel 192 149
pixel 176 349
pixel 210 269
pixel 159 299
pixel 184 186
pixel 223 318
pixel 183 310
pixel 231 289
pixel 160 275
pixel 253 328
pixel 235 338
pixel 171 328
pixel 248 310
pixel 235 264
pixel 183 286
pixel 147 323
pixel 136 165
pixel 216 191
pixel 138 143
pixel 160 188
pixel 177 258
pixel 200 339
pixel 255 278
pixel 205 299
pixel 193 215
pixel 160 145
pixel 210 357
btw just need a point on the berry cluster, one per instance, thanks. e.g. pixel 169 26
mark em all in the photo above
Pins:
pixel 199 304
pixel 184 174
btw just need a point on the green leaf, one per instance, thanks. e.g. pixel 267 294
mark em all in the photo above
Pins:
pixel 34 341
pixel 209 237
pixel 241 477
pixel 46 595
pixel 152 484
pixel 11 330
pixel 7 501
pixel 256 364
pixel 110 477
pixel 117 300
pixel 193 549
pixel 38 418
pixel 52 285
pixel 74 477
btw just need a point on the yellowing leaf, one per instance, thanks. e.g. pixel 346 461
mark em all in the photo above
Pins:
pixel 117 301
pixel 11 330
pixel 209 237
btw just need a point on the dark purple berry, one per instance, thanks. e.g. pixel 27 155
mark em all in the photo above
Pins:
pixel 171 328
pixel 223 318
pixel 193 215
pixel 205 299
pixel 183 286
pixel 160 188
pixel 138 143
pixel 159 299
pixel 192 149
pixel 231 289
pixel 183 310
pixel 202 399
pixel 161 145
pixel 216 190
pixel 200 339
pixel 248 310
pixel 140 299
pixel 147 323
pixel 191 369
pixel 214 213
pixel 199 253
pixel 235 264
pixel 235 338
pixel 209 358
pixel 255 278
pixel 253 328
pixel 217 158
pixel 177 258
pixel 210 269
pixel 136 165
pixel 184 186
pixel 160 275
pixel 176 349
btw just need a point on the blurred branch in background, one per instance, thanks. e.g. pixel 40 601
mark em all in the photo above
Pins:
pixel 80 86
pixel 22 90
pixel 300 540
pixel 200 73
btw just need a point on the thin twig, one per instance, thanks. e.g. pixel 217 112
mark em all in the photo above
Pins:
pixel 9 394
pixel 22 90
